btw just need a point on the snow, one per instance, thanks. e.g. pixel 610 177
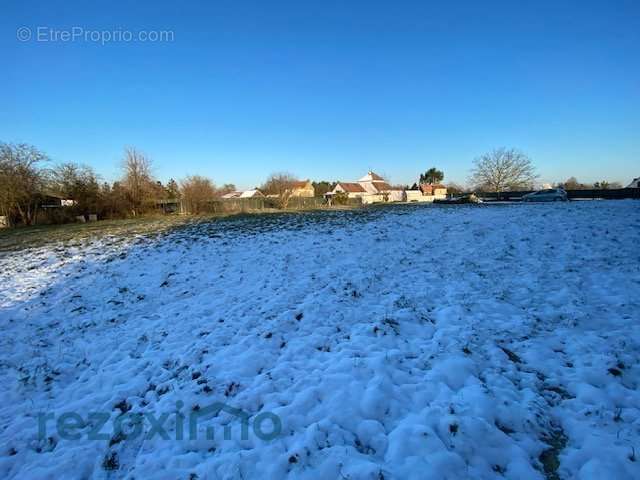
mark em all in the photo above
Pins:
pixel 402 342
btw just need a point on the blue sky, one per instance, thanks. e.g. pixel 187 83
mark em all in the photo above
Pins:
pixel 327 90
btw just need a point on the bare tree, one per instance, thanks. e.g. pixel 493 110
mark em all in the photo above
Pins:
pixel 503 170
pixel 280 185
pixel 226 188
pixel 196 192
pixel 137 178
pixel 21 182
pixel 79 183
pixel 455 189
pixel 572 183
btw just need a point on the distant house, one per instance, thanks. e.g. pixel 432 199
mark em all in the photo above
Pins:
pixel 252 193
pixel 635 183
pixel 436 190
pixel 302 188
pixel 289 189
pixel 53 200
pixel 244 194
pixel 353 190
pixel 371 188
pixel 427 193
pixel 231 195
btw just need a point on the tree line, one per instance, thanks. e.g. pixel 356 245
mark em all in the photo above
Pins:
pixel 27 180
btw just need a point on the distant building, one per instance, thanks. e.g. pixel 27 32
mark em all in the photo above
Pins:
pixel 303 188
pixel 353 190
pixel 53 200
pixel 635 183
pixel 168 205
pixel 427 193
pixel 232 195
pixel 244 194
pixel 436 190
pixel 371 188
pixel 252 193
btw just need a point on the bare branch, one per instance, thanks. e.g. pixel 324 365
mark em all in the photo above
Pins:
pixel 503 170
pixel 21 181
pixel 281 185
pixel 137 179
pixel 196 192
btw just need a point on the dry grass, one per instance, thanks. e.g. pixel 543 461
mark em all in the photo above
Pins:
pixel 24 237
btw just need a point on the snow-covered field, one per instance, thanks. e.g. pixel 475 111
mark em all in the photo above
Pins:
pixel 401 342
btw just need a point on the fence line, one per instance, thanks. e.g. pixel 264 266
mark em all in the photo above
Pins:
pixel 240 205
pixel 605 194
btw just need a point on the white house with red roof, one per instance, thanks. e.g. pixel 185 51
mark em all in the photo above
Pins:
pixel 371 188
